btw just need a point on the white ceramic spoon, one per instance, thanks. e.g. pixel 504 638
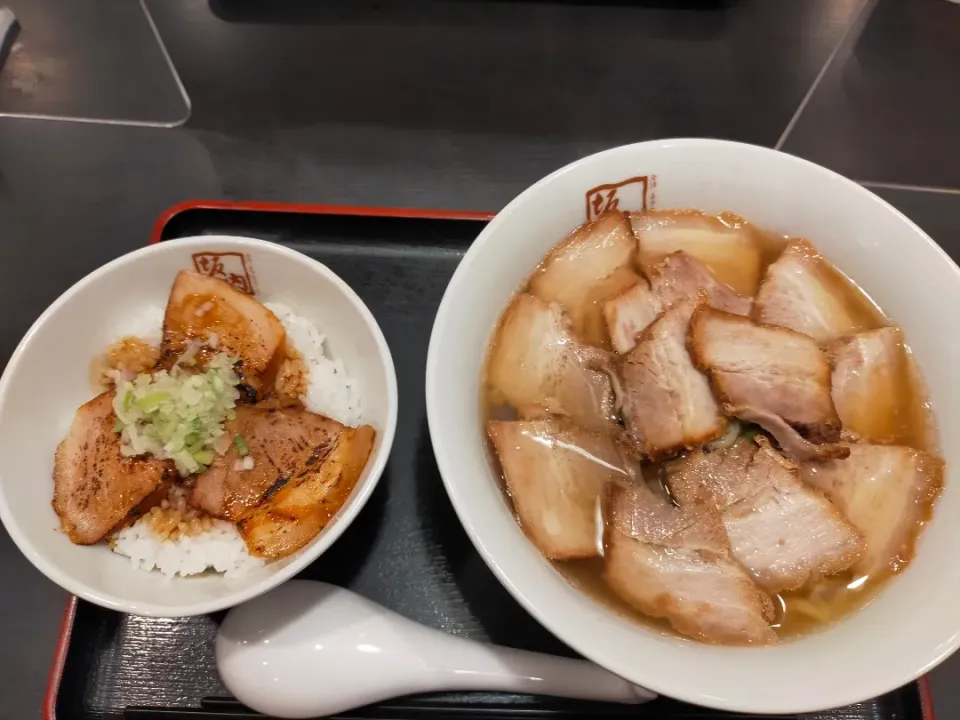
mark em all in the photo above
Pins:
pixel 309 649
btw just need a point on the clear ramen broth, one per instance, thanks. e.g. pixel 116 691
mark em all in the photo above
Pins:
pixel 569 301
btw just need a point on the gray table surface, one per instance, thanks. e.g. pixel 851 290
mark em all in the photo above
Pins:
pixel 454 104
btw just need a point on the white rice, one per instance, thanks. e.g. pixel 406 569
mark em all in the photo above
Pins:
pixel 330 391
pixel 221 549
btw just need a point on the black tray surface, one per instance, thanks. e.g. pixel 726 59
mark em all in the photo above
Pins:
pixel 406 550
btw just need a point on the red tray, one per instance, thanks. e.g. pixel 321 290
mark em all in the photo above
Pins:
pixel 317 230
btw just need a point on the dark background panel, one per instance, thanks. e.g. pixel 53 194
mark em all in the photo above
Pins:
pixel 75 196
pixel 609 72
pixel 888 109
pixel 30 611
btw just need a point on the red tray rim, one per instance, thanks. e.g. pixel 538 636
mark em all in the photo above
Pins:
pixel 70 611
pixel 355 210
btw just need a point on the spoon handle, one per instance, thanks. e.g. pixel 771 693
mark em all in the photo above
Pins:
pixel 468 665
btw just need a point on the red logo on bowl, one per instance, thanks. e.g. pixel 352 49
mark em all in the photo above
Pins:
pixel 233 267
pixel 628 194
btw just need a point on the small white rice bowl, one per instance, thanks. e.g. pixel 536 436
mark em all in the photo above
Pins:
pixel 330 392
pixel 127 297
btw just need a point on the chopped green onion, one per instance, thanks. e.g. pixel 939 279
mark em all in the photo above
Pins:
pixel 242 449
pixel 750 431
pixel 152 401
pixel 177 415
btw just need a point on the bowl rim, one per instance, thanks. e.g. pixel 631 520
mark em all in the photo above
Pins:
pixel 242 593
pixel 518 586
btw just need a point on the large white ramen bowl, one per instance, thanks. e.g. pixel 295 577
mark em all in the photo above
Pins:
pixel 915 621
pixel 48 377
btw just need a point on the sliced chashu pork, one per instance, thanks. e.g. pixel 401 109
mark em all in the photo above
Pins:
pixel 538 367
pixel 557 475
pixel 873 385
pixel 629 314
pixel 95 487
pixel 666 402
pixel 678 277
pixel 593 263
pixel 780 530
pixel 887 492
pixel 726 244
pixel 675 563
pixel 204 309
pixel 301 504
pixel 803 292
pixel 789 440
pixel 281 442
pixel 767 369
